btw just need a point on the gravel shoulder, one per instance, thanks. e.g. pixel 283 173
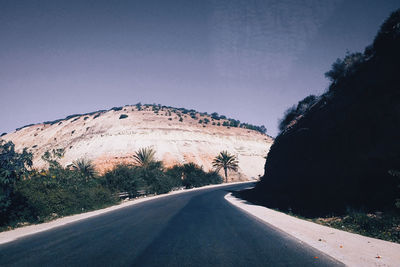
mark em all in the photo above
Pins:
pixel 351 249
pixel 8 236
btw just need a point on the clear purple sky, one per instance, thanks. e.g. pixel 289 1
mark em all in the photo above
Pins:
pixel 249 60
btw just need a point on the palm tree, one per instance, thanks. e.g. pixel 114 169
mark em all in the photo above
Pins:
pixel 85 167
pixel 144 156
pixel 225 161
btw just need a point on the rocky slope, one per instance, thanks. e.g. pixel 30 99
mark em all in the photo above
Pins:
pixel 343 153
pixel 111 137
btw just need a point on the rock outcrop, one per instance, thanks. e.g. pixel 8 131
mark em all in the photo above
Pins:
pixel 342 153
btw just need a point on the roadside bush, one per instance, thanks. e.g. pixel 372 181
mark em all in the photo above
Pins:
pixel 13 168
pixel 124 178
pixel 46 196
pixel 150 178
pixel 194 176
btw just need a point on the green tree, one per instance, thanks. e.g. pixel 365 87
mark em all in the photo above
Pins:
pixel 13 167
pixel 85 167
pixel 342 68
pixel 52 157
pixel 294 112
pixel 144 156
pixel 124 178
pixel 225 161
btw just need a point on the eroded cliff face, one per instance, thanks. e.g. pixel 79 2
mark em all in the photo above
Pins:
pixel 108 138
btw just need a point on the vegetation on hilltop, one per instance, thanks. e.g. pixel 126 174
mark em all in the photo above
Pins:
pixel 168 111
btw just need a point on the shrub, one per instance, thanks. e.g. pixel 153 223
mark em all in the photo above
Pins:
pixel 294 112
pixel 116 108
pixel 124 178
pixel 123 116
pixel 13 167
pixel 215 116
pixel 194 176
pixel 347 66
pixel 59 193
pixel 156 180
pixel 234 123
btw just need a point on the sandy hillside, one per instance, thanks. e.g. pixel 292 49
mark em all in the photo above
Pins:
pixel 108 138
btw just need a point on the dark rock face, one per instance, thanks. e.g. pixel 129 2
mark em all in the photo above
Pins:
pixel 339 153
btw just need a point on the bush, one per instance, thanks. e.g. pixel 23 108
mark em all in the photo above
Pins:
pixel 347 66
pixel 133 179
pixel 13 167
pixel 123 116
pixel 58 193
pixel 215 116
pixel 234 123
pixel 194 176
pixel 124 178
pixel 292 113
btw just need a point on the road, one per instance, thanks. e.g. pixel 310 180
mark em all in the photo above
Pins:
pixel 198 228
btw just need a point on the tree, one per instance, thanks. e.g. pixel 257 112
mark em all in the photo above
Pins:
pixel 144 156
pixel 225 161
pixel 342 68
pixel 292 113
pixel 13 166
pixel 85 167
pixel 52 157
pixel 124 178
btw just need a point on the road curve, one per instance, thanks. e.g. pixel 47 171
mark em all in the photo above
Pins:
pixel 198 228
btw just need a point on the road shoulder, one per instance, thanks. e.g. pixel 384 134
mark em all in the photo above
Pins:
pixel 348 248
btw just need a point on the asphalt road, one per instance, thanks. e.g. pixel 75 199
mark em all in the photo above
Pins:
pixel 198 228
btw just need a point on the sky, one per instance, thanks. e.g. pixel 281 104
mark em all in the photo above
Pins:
pixel 246 59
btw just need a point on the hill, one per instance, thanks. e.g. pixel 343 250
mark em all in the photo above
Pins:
pixel 341 151
pixel 109 137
